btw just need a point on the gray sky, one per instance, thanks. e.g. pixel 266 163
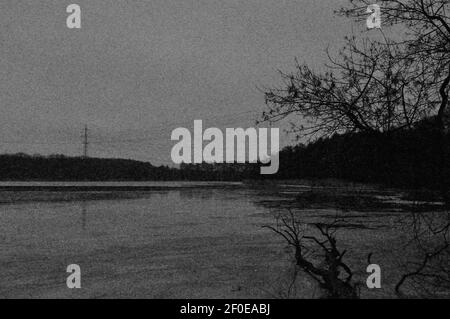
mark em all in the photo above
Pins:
pixel 138 69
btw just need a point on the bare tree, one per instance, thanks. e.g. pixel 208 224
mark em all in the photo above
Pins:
pixel 426 38
pixel 378 86
pixel 367 88
pixel 429 271
pixel 383 86
pixel 332 275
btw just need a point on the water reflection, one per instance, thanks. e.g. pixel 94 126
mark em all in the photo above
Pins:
pixel 203 194
pixel 83 206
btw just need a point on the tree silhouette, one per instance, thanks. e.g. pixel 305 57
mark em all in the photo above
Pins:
pixel 367 88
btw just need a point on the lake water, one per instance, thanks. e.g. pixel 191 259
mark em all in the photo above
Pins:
pixel 189 240
pixel 181 239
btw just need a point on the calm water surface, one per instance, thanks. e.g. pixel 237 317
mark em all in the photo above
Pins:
pixel 174 240
pixel 179 242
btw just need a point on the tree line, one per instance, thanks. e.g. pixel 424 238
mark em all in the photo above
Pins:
pixel 23 167
pixel 403 158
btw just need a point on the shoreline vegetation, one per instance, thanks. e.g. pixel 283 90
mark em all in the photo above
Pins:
pixel 354 216
pixel 408 160
pixel 312 194
pixel 388 99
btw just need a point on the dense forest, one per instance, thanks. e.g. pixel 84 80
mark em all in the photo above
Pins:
pixel 23 167
pixel 402 158
pixel 62 168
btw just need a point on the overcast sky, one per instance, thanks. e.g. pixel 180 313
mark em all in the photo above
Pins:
pixel 138 69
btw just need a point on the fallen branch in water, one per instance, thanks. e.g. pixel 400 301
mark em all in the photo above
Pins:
pixel 332 275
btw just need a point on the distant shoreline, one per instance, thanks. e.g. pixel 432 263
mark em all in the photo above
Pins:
pixel 21 193
pixel 108 186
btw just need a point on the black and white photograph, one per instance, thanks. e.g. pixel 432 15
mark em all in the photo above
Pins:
pixel 225 153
